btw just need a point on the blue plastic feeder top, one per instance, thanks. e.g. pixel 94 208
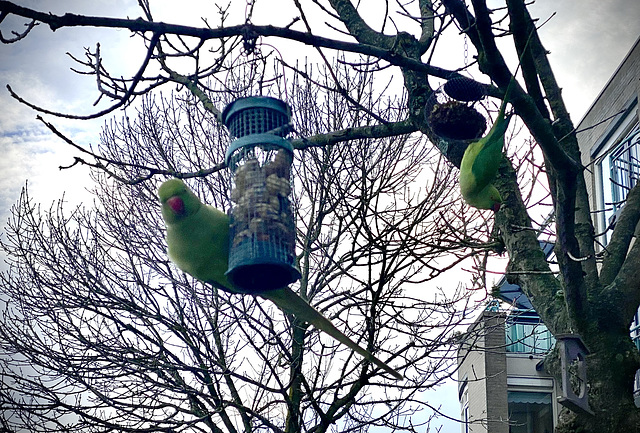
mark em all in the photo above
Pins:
pixel 255 115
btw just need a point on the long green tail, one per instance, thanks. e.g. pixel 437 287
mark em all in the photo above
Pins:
pixel 291 303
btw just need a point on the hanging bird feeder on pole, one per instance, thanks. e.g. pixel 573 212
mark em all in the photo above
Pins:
pixel 262 232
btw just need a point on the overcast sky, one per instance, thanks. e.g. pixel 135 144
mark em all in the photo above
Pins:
pixel 587 40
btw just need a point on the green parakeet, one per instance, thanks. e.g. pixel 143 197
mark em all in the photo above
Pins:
pixel 480 164
pixel 197 234
pixel 198 243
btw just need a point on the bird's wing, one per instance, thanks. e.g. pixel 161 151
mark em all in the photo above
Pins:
pixel 489 154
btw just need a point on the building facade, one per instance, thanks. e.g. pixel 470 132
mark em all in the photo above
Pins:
pixel 502 388
pixel 609 139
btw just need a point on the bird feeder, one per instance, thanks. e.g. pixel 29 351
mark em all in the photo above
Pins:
pixel 451 112
pixel 574 373
pixel 464 89
pixel 456 113
pixel 262 231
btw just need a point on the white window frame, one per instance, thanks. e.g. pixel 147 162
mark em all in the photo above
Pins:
pixel 463 396
pixel 625 128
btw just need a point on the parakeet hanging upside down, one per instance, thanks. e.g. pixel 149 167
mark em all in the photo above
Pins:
pixel 480 164
pixel 198 243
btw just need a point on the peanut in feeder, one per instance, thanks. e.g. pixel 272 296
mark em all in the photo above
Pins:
pixel 262 232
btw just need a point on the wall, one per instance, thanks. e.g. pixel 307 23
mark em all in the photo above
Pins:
pixel 483 364
pixel 622 87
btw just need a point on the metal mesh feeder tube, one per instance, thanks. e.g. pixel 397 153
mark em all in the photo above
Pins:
pixel 262 232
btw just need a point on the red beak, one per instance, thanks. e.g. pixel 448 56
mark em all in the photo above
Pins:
pixel 176 204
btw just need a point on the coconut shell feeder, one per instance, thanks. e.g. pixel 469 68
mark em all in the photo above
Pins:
pixel 456 113
pixel 262 231
pixel 456 120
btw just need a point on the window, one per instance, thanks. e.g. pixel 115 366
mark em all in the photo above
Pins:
pixel 617 167
pixel 635 336
pixel 636 389
pixel 525 333
pixel 617 164
pixel 464 404
pixel 530 412
pixel 465 419
pixel 635 329
pixel 618 171
pixel 625 167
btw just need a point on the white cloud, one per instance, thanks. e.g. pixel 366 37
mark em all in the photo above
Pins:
pixel 38 70
pixel 33 155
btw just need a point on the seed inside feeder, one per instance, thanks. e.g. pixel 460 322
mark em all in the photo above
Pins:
pixel 457 121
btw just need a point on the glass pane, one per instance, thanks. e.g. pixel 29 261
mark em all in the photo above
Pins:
pixel 607 189
pixel 528 338
pixel 625 167
pixel 530 412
